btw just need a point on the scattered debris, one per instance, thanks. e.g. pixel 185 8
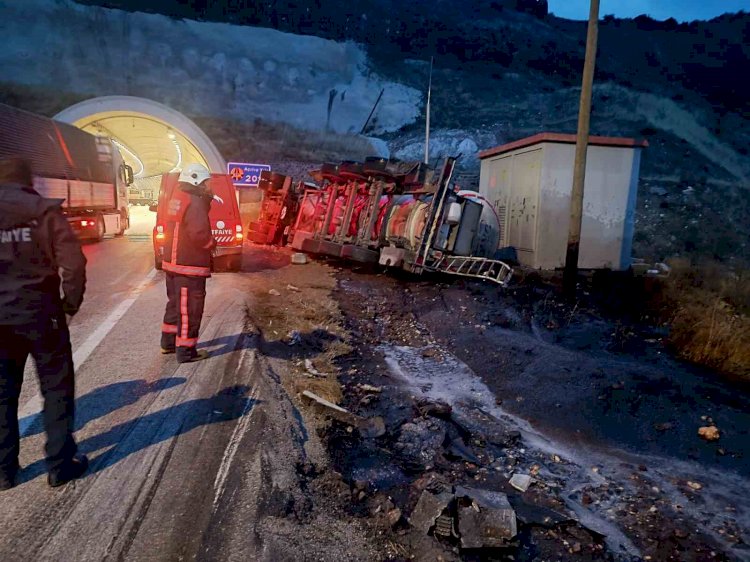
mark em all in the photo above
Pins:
pixel 520 482
pixel 298 258
pixel 368 427
pixel 371 388
pixel 312 370
pixel 437 409
pixel 371 428
pixel 429 507
pixel 666 426
pixel 709 433
pixel 694 485
pixel 393 517
pixel 445 526
pixel 532 514
pixel 293 338
pixel 293 288
pixel 274 293
pixel 485 427
pixel 420 443
pixel 485 519
pixel 458 449
pixel 432 353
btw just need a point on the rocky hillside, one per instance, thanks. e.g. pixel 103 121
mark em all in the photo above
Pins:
pixel 506 69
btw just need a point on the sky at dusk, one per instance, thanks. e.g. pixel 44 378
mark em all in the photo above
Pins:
pixel 681 10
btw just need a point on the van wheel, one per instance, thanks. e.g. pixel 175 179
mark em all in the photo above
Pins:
pixel 231 263
pixel 157 263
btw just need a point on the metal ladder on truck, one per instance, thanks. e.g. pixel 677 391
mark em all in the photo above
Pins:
pixel 465 266
pixel 479 268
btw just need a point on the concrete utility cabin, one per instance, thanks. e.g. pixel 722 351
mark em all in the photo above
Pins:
pixel 529 182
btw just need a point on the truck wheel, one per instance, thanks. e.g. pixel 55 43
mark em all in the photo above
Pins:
pixel 124 223
pixel 99 228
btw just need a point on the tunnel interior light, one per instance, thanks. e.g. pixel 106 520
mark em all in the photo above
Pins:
pixel 178 165
pixel 132 154
pixel 171 135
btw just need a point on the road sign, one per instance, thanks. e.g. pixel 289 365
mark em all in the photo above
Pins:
pixel 244 174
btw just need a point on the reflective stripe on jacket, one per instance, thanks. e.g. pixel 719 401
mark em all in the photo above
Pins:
pixel 188 240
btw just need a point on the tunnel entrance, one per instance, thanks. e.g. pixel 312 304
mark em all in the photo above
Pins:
pixel 152 138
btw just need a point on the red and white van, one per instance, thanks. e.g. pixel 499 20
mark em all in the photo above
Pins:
pixel 225 221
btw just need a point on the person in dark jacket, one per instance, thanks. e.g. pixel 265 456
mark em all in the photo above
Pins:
pixel 39 254
pixel 188 243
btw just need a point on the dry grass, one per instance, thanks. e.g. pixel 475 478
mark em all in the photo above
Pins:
pixel 708 308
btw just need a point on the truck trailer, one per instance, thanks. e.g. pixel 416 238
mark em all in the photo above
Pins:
pixel 84 170
pixel 399 214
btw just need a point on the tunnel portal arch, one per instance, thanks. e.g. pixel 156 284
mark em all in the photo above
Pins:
pixel 98 113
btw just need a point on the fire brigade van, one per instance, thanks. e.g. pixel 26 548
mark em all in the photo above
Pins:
pixel 225 221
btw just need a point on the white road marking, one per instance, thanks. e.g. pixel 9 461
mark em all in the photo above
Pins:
pixel 80 355
pixel 234 442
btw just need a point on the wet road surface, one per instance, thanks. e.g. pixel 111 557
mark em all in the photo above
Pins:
pixel 161 437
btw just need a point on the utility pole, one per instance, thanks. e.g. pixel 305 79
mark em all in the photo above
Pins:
pixel 427 124
pixel 579 171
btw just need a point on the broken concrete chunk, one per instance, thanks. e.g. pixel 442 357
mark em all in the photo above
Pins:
pixel 520 482
pixel 274 292
pixel 420 442
pixel 485 518
pixel 298 258
pixel 709 433
pixel 429 507
pixel 293 288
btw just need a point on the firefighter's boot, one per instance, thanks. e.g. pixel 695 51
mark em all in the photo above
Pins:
pixel 191 355
pixel 74 468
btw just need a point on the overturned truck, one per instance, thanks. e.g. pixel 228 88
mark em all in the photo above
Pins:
pixel 398 214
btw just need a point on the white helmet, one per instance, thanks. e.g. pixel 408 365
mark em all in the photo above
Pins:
pixel 194 174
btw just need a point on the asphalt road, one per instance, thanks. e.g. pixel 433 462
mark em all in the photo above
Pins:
pixel 163 439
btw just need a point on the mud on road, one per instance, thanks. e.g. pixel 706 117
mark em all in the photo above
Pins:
pixel 475 384
pixel 596 412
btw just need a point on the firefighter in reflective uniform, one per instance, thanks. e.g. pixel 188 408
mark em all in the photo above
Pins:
pixel 188 243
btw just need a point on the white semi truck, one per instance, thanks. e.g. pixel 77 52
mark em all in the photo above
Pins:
pixel 84 170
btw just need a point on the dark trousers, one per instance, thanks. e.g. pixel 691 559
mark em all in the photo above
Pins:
pixel 48 342
pixel 182 318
